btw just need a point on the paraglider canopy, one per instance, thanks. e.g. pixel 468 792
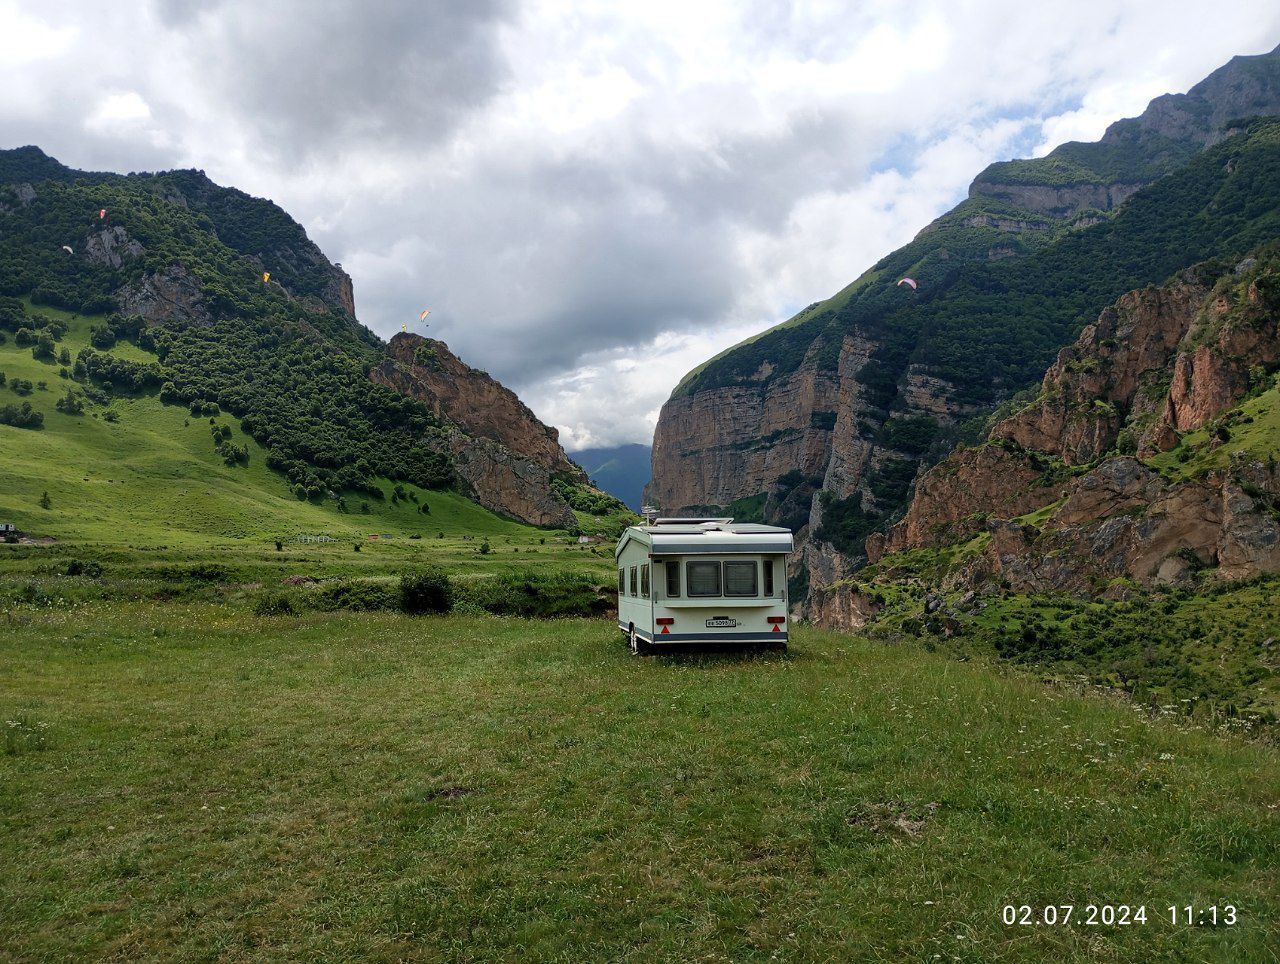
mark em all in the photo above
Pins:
pixel 102 213
pixel 907 281
pixel 266 276
pixel 67 248
pixel 423 316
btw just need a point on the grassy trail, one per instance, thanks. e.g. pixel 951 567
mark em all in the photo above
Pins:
pixel 185 781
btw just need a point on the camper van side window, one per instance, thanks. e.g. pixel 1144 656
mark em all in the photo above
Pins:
pixel 644 581
pixel 633 581
pixel 703 578
pixel 673 580
pixel 622 582
pixel 768 577
pixel 739 578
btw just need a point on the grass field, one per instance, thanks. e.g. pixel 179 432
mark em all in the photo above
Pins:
pixel 187 781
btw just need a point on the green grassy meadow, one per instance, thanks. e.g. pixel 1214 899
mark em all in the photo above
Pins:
pixel 188 781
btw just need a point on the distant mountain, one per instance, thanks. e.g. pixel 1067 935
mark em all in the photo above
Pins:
pixel 826 421
pixel 218 301
pixel 622 471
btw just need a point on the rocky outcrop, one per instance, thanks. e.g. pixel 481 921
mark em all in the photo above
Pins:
pixel 506 457
pixel 1158 363
pixel 954 500
pixel 112 247
pixel 1089 392
pixel 507 483
pixel 844 607
pixel 1058 201
pixel 480 405
pixel 169 295
pixel 1124 521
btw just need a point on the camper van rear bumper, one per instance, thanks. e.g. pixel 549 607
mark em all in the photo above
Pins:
pixel 756 637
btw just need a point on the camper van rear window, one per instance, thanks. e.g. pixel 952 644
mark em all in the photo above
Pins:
pixel 673 580
pixel 740 579
pixel 703 578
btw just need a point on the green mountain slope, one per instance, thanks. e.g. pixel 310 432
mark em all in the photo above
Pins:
pixel 151 475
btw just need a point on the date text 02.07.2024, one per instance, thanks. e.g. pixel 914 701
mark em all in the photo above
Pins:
pixel 1116 915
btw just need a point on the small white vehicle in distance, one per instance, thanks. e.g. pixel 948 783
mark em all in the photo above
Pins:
pixel 695 581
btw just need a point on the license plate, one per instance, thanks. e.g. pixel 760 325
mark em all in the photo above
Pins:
pixel 721 623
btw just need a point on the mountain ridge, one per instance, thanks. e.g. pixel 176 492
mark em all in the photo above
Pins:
pixel 245 313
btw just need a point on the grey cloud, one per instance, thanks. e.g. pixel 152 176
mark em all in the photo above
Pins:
pixel 310 77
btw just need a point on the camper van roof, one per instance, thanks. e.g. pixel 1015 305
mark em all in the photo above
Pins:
pixel 722 536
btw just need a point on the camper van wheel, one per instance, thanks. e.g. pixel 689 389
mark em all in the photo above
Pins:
pixel 638 646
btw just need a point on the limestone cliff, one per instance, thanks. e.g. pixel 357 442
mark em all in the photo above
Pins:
pixel 480 405
pixel 506 456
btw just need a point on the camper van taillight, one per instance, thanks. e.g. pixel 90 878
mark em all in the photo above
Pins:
pixel 665 621
pixel 777 619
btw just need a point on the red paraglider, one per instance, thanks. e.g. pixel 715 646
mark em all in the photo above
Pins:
pixel 907 281
pixel 102 213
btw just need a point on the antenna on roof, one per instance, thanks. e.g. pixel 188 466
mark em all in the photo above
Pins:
pixel 649 512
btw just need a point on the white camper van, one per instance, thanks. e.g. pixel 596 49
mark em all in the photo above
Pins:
pixel 691 581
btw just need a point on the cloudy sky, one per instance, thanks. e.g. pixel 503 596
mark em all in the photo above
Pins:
pixel 594 197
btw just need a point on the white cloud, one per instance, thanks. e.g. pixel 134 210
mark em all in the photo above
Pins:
pixel 28 39
pixel 119 110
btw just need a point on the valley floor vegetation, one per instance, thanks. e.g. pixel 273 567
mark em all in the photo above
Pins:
pixel 191 780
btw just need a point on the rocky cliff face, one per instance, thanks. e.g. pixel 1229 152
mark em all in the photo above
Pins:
pixel 170 295
pixel 862 391
pixel 477 403
pixel 500 449
pixel 732 443
pixel 1162 369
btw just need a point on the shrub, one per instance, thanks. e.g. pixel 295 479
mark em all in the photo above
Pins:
pixel 200 572
pixel 273 604
pixel 358 596
pixel 80 567
pixel 21 416
pixel 537 594
pixel 426 591
pixel 102 338
pixel 70 404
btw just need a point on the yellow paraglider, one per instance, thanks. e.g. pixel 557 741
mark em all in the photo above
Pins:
pixel 266 276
